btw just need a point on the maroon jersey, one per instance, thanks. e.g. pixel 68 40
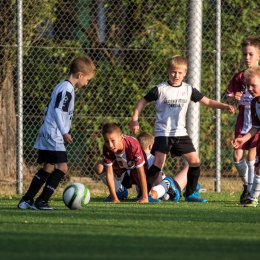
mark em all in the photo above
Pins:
pixel 131 158
pixel 237 84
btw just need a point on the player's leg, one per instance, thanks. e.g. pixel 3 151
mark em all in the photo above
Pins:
pixel 161 147
pixel 252 200
pixel 251 161
pixel 242 169
pixel 121 191
pixel 154 171
pixel 51 184
pixel 27 201
pixel 181 177
pixel 191 195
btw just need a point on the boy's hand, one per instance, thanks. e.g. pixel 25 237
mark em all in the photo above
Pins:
pixel 237 142
pixel 134 126
pixel 115 201
pixel 238 95
pixel 67 138
pixel 230 109
pixel 143 200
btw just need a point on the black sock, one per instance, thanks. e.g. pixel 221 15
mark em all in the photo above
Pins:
pixel 192 180
pixel 38 180
pixel 51 184
pixel 151 176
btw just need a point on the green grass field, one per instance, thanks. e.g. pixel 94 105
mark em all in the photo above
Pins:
pixel 220 229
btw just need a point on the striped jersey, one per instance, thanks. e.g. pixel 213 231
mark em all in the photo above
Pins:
pixel 237 84
pixel 171 105
pixel 57 118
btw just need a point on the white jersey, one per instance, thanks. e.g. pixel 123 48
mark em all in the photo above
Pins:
pixel 57 118
pixel 171 107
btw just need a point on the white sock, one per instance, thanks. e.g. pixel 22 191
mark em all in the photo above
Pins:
pixel 251 174
pixel 242 170
pixel 118 186
pixel 255 191
pixel 161 189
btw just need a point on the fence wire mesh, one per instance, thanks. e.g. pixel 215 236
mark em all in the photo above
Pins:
pixel 130 42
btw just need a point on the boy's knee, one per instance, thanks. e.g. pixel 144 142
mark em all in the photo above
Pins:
pixel 63 168
pixel 99 167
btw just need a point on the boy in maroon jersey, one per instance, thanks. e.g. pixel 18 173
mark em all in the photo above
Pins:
pixel 121 153
pixel 252 76
pixel 237 91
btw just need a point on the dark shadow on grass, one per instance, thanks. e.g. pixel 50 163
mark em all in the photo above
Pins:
pixel 28 246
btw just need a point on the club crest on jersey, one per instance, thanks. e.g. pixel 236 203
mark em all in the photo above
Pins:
pixel 130 164
pixel 138 158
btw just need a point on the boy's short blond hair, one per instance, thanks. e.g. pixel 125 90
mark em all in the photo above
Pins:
pixel 145 139
pixel 177 61
pixel 252 72
pixel 252 41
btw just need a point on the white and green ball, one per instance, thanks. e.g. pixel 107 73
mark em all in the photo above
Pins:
pixel 76 195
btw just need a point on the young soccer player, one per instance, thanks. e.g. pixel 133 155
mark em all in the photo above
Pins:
pixel 171 100
pixel 237 91
pixel 252 79
pixel 54 134
pixel 122 153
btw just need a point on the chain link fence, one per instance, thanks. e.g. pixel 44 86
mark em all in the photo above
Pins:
pixel 130 42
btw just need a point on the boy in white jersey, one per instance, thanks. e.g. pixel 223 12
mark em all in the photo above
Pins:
pixel 252 78
pixel 237 91
pixel 121 153
pixel 172 99
pixel 54 134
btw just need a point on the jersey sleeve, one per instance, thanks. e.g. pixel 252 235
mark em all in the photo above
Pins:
pixel 152 95
pixel 255 119
pixel 62 103
pixel 138 156
pixel 234 85
pixel 196 95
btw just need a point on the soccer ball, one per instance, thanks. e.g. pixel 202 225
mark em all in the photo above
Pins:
pixel 76 195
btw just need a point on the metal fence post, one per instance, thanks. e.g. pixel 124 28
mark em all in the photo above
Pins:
pixel 217 95
pixel 194 48
pixel 19 22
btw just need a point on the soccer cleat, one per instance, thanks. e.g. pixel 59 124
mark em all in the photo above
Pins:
pixel 42 205
pixel 244 195
pixel 120 195
pixel 195 197
pixel 151 199
pixel 173 191
pixel 26 204
pixel 250 203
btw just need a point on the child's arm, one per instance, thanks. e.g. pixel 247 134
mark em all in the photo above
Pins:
pixel 215 104
pixel 134 125
pixel 143 184
pixel 111 184
pixel 241 140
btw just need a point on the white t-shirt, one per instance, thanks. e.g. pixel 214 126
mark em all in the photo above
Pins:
pixel 171 107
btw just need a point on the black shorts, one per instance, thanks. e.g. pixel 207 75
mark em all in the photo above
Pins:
pixel 52 157
pixel 176 145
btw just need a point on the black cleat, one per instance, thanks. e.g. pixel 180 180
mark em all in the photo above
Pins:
pixel 42 205
pixel 244 195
